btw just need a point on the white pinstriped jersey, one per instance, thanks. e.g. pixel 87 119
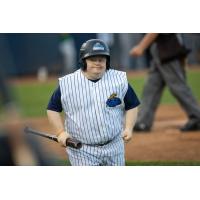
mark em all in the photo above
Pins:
pixel 88 118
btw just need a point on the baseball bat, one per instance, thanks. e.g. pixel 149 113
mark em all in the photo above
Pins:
pixel 70 142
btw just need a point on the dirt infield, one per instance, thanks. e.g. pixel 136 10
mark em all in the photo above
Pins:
pixel 165 142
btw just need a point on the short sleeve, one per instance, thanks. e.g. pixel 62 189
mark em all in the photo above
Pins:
pixel 131 100
pixel 55 101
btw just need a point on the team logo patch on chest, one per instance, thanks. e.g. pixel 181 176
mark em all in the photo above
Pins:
pixel 113 100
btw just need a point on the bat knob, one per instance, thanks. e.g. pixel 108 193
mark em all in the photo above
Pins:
pixel 71 142
pixel 79 145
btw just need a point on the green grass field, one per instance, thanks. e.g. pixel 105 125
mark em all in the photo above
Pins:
pixel 33 97
pixel 144 163
pixel 193 78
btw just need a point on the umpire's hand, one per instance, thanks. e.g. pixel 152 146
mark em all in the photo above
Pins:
pixel 136 51
pixel 62 137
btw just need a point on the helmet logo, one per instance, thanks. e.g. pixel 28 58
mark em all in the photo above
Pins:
pixel 97 46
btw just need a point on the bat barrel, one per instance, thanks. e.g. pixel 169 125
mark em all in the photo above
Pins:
pixel 31 131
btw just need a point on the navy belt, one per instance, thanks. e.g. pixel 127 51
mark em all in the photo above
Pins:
pixel 100 145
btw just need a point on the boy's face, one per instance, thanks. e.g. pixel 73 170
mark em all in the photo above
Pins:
pixel 96 64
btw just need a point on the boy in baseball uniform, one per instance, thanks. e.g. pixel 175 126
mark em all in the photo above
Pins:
pixel 100 109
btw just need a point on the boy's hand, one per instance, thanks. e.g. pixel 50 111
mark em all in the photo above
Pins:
pixel 127 135
pixel 62 137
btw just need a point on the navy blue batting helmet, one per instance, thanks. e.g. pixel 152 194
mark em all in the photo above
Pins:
pixel 94 47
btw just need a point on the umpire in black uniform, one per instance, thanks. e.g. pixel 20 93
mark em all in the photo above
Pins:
pixel 167 69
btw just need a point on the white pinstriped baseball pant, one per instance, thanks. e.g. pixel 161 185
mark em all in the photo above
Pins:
pixel 111 154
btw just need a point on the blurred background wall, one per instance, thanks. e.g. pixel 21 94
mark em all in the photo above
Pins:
pixel 24 54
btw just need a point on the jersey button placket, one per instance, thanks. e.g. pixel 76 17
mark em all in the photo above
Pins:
pixel 95 97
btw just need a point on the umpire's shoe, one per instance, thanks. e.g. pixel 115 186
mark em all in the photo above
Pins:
pixel 191 125
pixel 141 127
